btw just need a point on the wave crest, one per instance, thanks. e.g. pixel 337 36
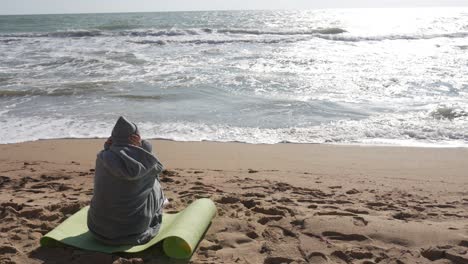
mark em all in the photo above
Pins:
pixel 80 88
pixel 326 31
pixel 393 37
pixel 168 33
pixel 332 34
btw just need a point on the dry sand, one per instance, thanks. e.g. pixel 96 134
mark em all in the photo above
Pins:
pixel 284 203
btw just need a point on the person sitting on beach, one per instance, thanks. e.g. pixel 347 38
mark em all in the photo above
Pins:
pixel 126 208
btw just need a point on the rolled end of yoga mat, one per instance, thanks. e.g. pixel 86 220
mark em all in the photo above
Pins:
pixel 189 228
pixel 176 247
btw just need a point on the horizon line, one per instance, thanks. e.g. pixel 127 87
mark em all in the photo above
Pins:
pixel 227 10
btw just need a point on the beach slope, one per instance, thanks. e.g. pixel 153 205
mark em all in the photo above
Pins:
pixel 282 203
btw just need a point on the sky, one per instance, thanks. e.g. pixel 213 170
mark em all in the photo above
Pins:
pixel 104 6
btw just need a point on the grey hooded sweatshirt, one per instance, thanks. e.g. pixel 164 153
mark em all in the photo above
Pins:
pixel 126 208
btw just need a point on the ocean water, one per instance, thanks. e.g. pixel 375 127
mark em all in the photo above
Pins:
pixel 340 76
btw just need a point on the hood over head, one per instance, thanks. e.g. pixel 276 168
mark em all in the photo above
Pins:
pixel 122 130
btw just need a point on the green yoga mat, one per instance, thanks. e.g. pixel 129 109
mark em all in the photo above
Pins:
pixel 180 232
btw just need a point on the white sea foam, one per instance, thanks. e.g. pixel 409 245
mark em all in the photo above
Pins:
pixel 407 130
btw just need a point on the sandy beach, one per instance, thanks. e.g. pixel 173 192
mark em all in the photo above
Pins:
pixel 281 203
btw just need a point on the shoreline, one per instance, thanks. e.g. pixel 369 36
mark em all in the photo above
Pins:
pixel 347 144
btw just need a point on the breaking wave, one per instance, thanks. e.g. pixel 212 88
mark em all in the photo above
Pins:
pixel 332 34
pixel 326 31
pixel 398 130
pixel 218 41
pixel 169 33
pixel 393 37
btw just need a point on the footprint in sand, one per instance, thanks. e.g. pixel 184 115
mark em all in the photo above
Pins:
pixel 286 232
pixel 433 254
pixel 273 234
pixel 16 206
pixel 310 192
pixel 352 255
pixel 22 182
pixel 359 221
pixel 330 207
pixel 169 173
pixel 277 260
pixel 449 253
pixel 285 200
pixel 403 215
pixel 33 191
pixel 265 220
pixel 166 179
pixel 258 195
pixel 199 186
pixel 338 255
pixel 252 234
pixel 298 223
pixel 7 249
pixel 282 187
pixel 357 211
pixel 57 186
pixel 337 213
pixel 339 202
pixel 360 254
pixel 269 211
pixel 441 206
pixel 214 247
pixel 344 237
pixel 55 177
pixel 249 203
pixel 376 204
pixel 31 213
pixel 463 243
pixel 317 257
pixel 4 180
pixel 352 191
pixel 311 201
pixel 66 208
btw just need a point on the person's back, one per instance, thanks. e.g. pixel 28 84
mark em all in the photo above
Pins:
pixel 126 207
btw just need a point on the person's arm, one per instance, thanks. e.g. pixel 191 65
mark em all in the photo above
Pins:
pixel 159 169
pixel 146 145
